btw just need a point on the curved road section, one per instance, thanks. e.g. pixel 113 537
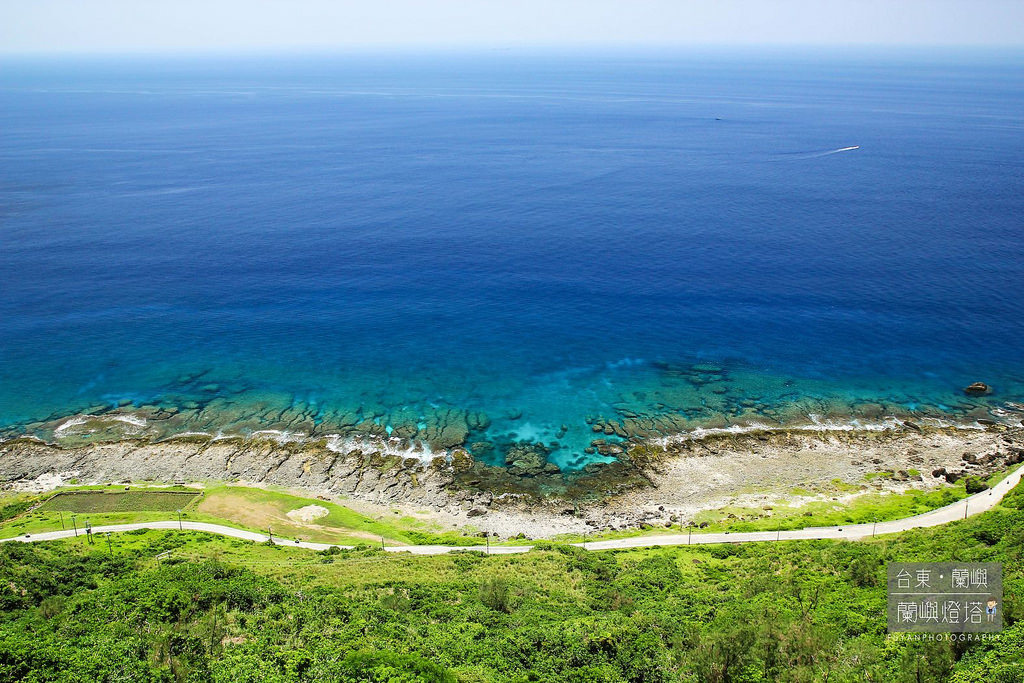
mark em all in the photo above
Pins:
pixel 972 505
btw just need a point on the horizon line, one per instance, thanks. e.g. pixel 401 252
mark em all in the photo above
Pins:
pixel 422 48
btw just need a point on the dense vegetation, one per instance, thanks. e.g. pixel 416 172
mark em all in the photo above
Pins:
pixel 229 611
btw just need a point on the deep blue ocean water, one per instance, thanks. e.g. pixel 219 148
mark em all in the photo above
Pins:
pixel 541 238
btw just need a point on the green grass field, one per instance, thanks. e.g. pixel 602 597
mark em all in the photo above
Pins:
pixel 119 501
pixel 254 509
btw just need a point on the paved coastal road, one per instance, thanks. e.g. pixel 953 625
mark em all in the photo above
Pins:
pixel 973 505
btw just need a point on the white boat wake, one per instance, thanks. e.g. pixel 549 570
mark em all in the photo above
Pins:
pixel 814 155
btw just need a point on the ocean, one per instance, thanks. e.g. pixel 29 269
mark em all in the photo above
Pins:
pixel 482 250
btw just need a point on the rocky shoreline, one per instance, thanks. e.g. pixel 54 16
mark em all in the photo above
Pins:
pixel 651 483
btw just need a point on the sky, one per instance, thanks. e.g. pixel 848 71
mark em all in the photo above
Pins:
pixel 56 26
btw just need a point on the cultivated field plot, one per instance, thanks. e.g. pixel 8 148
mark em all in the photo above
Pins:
pixel 119 501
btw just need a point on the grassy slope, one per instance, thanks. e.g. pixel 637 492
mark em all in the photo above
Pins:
pixel 256 510
pixel 798 611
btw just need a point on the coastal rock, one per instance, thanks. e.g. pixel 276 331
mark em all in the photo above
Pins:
pixel 461 461
pixel 478 421
pixel 525 460
pixel 978 389
pixel 481 449
pixel 707 369
pixel 445 428
pixel 404 431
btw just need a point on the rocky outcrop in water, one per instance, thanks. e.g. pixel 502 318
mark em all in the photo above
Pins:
pixel 978 389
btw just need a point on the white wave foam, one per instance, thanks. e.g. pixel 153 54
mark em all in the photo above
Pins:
pixel 391 446
pixel 133 420
pixel 335 442
pixel 282 437
pixel 817 424
pixel 73 422
pixel 130 419
pixel 820 424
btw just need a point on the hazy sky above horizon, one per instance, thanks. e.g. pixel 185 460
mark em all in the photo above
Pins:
pixel 42 26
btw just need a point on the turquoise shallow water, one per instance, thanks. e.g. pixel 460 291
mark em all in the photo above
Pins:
pixel 481 250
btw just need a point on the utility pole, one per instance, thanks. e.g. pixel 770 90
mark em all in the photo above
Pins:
pixel 110 550
pixel 270 534
pixel 689 534
pixel 61 520
pixel 487 540
pixel 179 521
pixel 966 502
pixel 74 525
pixel 382 543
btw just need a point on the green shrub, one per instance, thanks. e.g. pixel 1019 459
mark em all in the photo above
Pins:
pixel 974 485
pixel 494 593
pixel 14 509
pixel 390 667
